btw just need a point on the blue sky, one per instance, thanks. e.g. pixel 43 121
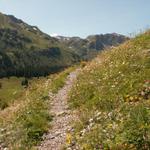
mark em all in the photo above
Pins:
pixel 81 17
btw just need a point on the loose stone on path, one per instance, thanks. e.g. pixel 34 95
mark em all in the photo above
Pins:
pixel 63 117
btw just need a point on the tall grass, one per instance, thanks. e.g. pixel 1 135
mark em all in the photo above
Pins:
pixel 59 79
pixel 116 85
pixel 10 91
pixel 28 120
pixel 23 123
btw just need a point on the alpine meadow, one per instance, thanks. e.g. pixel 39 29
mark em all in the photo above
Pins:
pixel 86 88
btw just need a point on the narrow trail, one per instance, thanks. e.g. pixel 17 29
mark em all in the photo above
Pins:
pixel 63 117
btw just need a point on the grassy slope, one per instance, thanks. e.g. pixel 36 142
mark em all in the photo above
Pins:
pixel 26 118
pixel 10 90
pixel 59 79
pixel 112 95
pixel 38 38
pixel 26 51
pixel 23 123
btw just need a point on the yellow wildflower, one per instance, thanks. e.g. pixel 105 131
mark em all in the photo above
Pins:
pixel 68 138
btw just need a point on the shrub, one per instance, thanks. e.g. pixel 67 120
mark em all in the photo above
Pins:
pixel 25 83
pixel 0 85
pixel 3 104
pixel 83 64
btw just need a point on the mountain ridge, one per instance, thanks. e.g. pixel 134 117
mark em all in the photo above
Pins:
pixel 26 51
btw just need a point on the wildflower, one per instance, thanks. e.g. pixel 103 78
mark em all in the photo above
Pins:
pixel 91 124
pixel 84 146
pixel 113 86
pixel 83 131
pixel 68 138
pixel 91 120
pixel 114 126
pixel 116 82
pixel 91 82
pixel 110 125
pixel 98 118
pixel 110 114
pixel 131 98
pixel 98 114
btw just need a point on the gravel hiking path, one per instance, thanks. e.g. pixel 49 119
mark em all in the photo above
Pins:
pixel 63 117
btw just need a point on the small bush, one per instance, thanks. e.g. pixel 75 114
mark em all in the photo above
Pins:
pixel 25 83
pixel 83 64
pixel 0 85
pixel 3 104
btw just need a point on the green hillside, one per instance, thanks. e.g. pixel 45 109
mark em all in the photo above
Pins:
pixel 38 39
pixel 112 96
pixel 26 118
pixel 27 51
pixel 25 112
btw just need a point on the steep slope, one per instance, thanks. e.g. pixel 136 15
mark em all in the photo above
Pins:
pixel 39 39
pixel 112 96
pixel 27 51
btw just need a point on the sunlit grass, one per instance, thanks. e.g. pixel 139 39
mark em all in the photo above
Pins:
pixel 11 89
pixel 114 85
pixel 59 79
pixel 23 123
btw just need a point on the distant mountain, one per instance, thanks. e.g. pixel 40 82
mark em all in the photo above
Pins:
pixel 26 51
pixel 87 48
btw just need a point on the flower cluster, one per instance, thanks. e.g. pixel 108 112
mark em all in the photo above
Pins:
pixel 143 94
pixel 129 98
